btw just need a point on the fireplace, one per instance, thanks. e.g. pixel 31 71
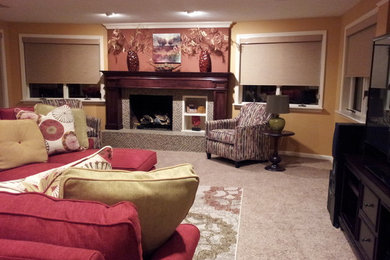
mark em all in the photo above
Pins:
pixel 151 112
pixel 215 84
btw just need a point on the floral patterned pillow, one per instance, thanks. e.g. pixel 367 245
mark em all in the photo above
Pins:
pixel 57 128
pixel 26 114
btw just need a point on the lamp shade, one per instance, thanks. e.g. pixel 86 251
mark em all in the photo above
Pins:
pixel 278 104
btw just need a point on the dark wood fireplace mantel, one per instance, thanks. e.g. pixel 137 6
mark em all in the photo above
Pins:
pixel 114 81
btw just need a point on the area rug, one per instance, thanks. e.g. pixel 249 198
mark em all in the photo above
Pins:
pixel 216 212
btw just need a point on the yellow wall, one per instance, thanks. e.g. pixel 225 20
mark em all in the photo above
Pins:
pixel 11 36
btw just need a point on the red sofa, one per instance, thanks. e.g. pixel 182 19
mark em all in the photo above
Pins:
pixel 37 226
pixel 32 224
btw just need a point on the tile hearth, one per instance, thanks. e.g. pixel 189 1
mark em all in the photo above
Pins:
pixel 155 140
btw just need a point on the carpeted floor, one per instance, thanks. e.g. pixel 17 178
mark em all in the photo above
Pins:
pixel 283 214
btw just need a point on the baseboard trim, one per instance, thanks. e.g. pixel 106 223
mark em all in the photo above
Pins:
pixel 307 155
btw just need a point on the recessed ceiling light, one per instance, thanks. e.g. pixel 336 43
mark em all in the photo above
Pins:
pixel 111 14
pixel 193 13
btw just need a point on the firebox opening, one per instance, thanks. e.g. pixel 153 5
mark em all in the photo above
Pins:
pixel 151 112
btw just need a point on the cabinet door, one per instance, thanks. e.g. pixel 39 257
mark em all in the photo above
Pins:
pixel 370 205
pixel 367 240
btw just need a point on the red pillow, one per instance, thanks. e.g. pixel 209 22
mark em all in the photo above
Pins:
pixel 113 230
pixel 9 113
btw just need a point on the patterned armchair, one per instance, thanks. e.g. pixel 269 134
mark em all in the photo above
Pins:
pixel 240 138
pixel 93 123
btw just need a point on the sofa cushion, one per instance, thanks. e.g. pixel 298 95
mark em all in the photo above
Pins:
pixel 123 158
pixel 9 113
pixel 21 142
pixel 18 249
pixel 80 121
pixel 26 170
pixel 162 197
pixel 112 230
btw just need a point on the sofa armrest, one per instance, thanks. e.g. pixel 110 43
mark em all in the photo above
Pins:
pixel 94 132
pixel 18 249
pixel 221 124
pixel 181 245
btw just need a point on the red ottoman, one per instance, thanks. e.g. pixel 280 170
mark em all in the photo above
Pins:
pixel 123 158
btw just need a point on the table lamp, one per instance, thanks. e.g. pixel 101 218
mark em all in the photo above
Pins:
pixel 277 104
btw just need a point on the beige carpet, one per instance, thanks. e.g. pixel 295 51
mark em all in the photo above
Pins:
pixel 283 214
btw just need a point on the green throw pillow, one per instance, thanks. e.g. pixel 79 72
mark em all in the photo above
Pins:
pixel 21 142
pixel 163 197
pixel 80 121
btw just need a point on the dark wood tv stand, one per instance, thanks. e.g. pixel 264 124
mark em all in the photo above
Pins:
pixel 365 208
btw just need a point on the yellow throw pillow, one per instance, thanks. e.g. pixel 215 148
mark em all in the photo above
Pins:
pixel 80 121
pixel 21 142
pixel 163 197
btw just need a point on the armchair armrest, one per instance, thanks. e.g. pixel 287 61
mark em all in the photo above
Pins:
pixel 221 124
pixel 250 133
pixel 94 132
pixel 250 139
pixel 181 245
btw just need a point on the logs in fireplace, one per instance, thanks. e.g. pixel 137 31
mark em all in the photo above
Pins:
pixel 150 112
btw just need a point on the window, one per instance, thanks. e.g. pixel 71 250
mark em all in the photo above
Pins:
pixel 59 66
pixel 359 37
pixel 288 63
pixel 257 93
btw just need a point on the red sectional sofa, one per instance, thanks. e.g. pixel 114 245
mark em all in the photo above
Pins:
pixel 37 226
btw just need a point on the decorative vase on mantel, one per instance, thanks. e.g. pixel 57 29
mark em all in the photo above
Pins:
pixel 132 61
pixel 204 61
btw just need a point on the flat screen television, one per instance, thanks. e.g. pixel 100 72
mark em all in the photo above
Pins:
pixel 377 138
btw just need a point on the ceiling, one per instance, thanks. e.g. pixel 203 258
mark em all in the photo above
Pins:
pixel 147 11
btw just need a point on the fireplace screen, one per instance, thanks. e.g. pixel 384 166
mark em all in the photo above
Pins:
pixel 151 112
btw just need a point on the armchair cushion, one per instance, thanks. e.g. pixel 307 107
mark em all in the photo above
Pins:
pixel 223 135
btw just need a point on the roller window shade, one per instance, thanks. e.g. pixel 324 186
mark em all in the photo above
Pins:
pixel 359 50
pixel 61 61
pixel 294 61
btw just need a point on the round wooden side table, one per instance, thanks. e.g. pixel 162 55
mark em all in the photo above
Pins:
pixel 275 158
